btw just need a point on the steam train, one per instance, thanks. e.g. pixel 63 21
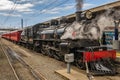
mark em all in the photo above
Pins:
pixel 64 36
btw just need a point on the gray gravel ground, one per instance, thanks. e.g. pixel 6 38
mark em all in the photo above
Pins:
pixel 6 72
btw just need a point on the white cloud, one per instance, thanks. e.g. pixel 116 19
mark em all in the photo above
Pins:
pixel 47 11
pixel 51 17
pixel 39 1
pixel 54 17
pixel 24 7
pixel 57 9
pixel 6 5
pixel 88 5
pixel 35 1
pixel 13 15
pixel 21 6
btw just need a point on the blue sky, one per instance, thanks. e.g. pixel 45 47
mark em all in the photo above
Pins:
pixel 36 11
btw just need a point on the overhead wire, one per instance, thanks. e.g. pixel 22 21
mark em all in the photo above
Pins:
pixel 60 4
pixel 56 6
pixel 45 7
pixel 12 9
pixel 48 6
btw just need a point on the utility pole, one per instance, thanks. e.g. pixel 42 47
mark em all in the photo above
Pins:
pixel 22 23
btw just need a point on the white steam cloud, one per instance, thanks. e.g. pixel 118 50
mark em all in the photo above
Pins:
pixel 92 30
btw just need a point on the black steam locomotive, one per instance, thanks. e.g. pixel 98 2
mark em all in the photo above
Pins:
pixel 74 35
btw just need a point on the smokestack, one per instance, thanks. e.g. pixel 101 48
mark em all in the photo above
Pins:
pixel 79 5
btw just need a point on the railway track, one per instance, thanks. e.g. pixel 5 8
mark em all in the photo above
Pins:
pixel 6 74
pixel 21 69
pixel 35 65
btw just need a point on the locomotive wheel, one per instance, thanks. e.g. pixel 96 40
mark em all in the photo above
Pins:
pixel 55 55
pixel 79 63
pixel 49 52
pixel 36 48
pixel 43 50
pixel 79 60
pixel 46 51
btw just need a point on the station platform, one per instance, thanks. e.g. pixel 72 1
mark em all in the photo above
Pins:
pixel 74 75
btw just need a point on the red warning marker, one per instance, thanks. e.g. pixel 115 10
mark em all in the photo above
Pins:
pixel 74 34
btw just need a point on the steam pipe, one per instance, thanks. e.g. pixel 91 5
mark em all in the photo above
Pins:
pixel 116 28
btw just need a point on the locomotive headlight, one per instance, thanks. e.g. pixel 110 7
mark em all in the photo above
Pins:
pixel 88 15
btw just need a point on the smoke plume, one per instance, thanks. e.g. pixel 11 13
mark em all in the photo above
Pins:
pixel 79 5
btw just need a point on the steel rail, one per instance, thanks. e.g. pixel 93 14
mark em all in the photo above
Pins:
pixel 14 72
pixel 34 72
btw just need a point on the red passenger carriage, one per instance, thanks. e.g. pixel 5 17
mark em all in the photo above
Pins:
pixel 13 36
